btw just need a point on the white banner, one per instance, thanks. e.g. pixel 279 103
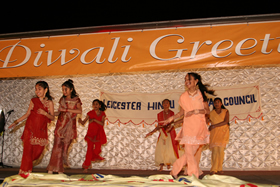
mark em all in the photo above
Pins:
pixel 242 101
pixel 138 107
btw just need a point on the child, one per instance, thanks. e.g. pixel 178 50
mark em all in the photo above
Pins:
pixel 35 134
pixel 95 136
pixel 219 135
pixel 194 132
pixel 69 106
pixel 167 148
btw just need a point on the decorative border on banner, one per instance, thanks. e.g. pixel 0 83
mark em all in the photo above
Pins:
pixel 247 118
pixel 130 121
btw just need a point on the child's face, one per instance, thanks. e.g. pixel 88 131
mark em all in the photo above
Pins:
pixel 96 105
pixel 165 104
pixel 40 91
pixel 66 91
pixel 218 104
pixel 190 81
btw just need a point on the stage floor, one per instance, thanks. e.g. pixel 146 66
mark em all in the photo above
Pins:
pixel 261 177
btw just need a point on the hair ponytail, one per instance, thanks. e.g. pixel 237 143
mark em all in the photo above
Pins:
pixel 202 87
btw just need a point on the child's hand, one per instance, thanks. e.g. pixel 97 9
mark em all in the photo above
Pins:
pixel 169 128
pixel 41 111
pixel 167 121
pixel 61 109
pixel 211 127
pixel 12 126
pixel 80 121
pixel 188 114
pixel 149 134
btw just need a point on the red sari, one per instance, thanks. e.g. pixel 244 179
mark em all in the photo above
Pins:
pixel 64 133
pixel 34 137
pixel 95 138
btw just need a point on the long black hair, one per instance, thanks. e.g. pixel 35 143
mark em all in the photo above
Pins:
pixel 45 85
pixel 69 84
pixel 103 107
pixel 202 87
pixel 217 98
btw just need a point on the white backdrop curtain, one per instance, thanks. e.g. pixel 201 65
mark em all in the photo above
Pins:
pixel 253 145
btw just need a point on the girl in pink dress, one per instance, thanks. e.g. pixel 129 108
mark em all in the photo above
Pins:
pixel 194 131
pixel 95 136
pixel 65 131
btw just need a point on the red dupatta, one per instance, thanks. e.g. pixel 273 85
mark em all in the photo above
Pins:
pixel 172 132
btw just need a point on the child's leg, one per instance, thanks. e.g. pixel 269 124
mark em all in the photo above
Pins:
pixel 89 154
pixel 97 151
pixel 214 160
pixel 66 146
pixel 56 160
pixel 191 161
pixel 178 164
pixel 221 158
pixel 26 161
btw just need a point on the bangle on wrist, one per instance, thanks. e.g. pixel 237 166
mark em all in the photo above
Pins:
pixel 15 122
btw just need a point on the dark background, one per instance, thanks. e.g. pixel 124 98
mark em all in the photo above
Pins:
pixel 47 15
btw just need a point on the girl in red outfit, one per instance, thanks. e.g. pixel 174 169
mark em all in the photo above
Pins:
pixel 35 134
pixel 95 136
pixel 65 131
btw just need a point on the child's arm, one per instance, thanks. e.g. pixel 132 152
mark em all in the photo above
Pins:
pixel 22 117
pixel 225 122
pixel 48 115
pixel 99 122
pixel 82 122
pixel 153 131
pixel 76 111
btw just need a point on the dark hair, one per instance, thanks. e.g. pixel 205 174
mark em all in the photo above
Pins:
pixel 217 98
pixel 69 84
pixel 45 85
pixel 166 100
pixel 103 107
pixel 202 87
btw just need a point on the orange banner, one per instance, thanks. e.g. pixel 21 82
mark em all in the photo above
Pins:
pixel 142 50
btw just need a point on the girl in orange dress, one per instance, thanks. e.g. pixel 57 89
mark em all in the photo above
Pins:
pixel 194 131
pixel 35 134
pixel 95 136
pixel 69 106
pixel 167 148
pixel 219 135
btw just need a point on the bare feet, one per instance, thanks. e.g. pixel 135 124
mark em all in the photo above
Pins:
pixel 50 172
pixel 168 166
pixel 220 172
pixel 161 167
pixel 60 172
pixel 85 170
pixel 213 172
pixel 174 176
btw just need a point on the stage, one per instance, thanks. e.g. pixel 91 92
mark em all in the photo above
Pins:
pixel 254 177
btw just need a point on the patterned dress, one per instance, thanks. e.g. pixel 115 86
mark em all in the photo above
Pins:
pixel 64 133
